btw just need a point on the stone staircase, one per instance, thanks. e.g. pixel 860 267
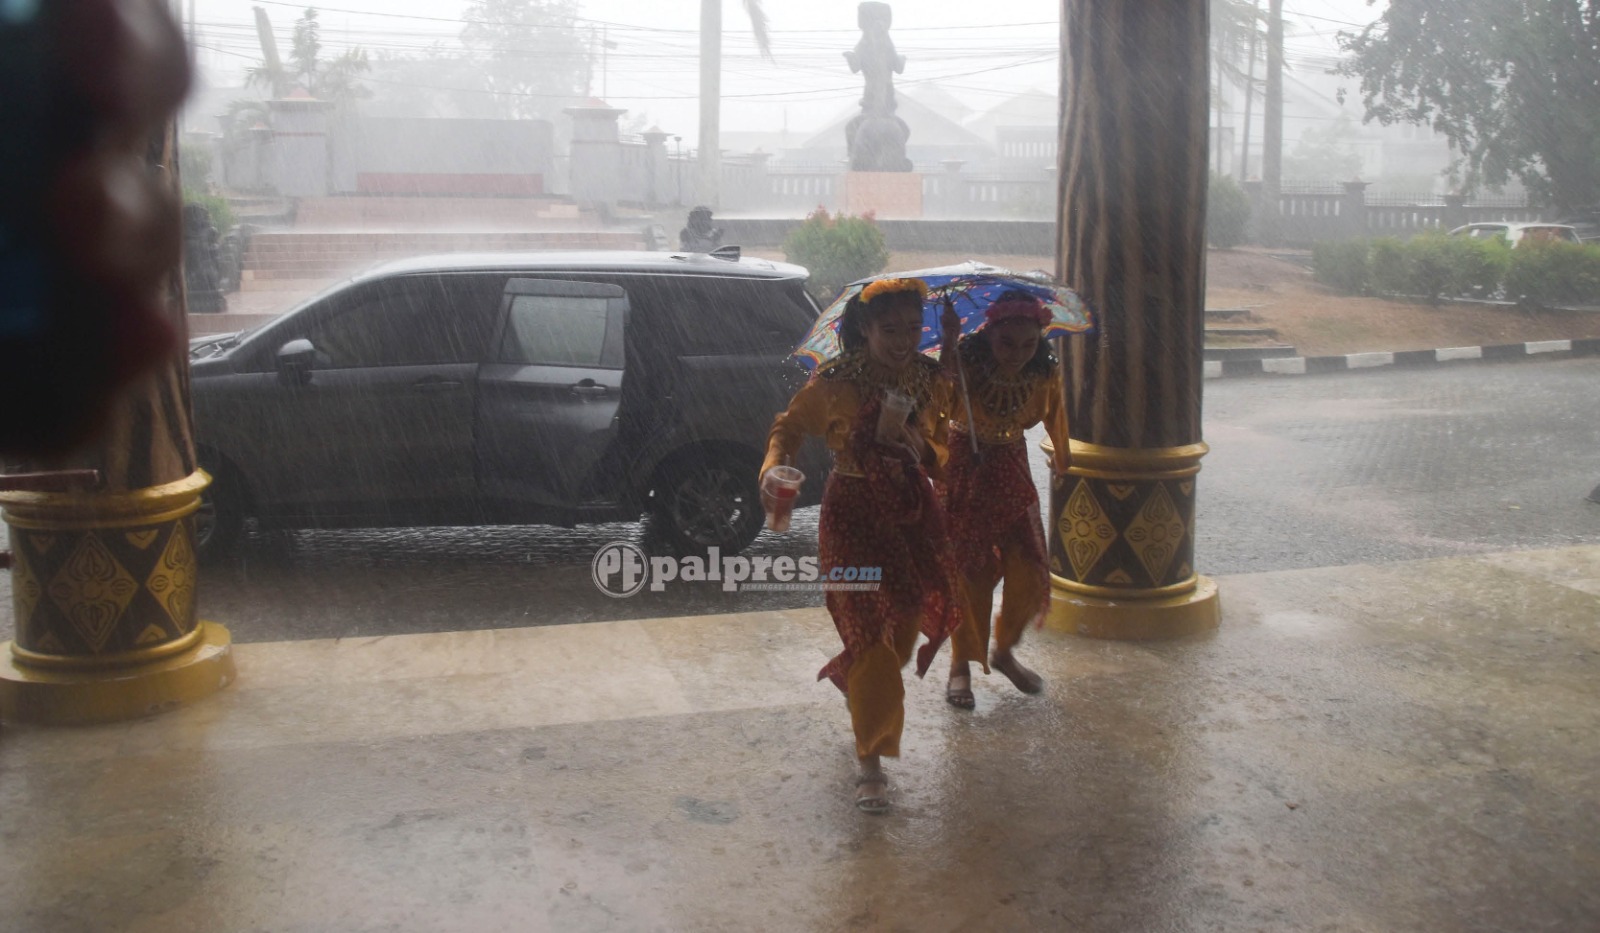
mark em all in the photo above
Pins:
pixel 1236 334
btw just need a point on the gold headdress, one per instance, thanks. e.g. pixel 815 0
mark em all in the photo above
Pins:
pixel 894 286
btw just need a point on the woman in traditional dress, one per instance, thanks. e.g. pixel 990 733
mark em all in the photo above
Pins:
pixel 880 510
pixel 1013 383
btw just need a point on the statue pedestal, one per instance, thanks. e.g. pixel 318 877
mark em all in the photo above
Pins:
pixel 888 195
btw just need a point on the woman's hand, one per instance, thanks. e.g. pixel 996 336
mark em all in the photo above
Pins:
pixel 913 443
pixel 950 327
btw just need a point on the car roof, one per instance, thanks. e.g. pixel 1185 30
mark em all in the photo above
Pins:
pixel 1517 225
pixel 558 261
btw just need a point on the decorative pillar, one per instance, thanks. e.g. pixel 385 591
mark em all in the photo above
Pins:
pixel 1455 211
pixel 656 184
pixel 104 577
pixel 1353 209
pixel 952 189
pixel 1132 229
pixel 596 163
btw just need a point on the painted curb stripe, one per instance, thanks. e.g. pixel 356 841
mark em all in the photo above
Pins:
pixel 1304 365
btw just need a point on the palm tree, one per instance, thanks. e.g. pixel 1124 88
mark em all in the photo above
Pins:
pixel 711 87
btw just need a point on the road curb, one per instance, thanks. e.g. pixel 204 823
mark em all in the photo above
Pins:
pixel 1402 359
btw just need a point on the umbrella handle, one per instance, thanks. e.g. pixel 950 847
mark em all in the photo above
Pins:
pixel 966 398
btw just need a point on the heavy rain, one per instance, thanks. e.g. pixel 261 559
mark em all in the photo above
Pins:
pixel 594 411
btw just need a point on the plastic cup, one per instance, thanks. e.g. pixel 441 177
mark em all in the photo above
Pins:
pixel 779 488
pixel 897 408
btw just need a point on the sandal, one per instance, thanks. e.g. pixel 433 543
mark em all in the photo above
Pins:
pixel 1021 678
pixel 960 697
pixel 868 802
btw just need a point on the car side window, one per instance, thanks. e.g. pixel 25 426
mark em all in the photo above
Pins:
pixel 707 318
pixel 548 330
pixel 415 320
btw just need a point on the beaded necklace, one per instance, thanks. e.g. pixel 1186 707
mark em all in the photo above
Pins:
pixel 872 378
pixel 1003 397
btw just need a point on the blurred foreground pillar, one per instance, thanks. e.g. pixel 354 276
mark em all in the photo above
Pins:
pixel 1132 242
pixel 104 575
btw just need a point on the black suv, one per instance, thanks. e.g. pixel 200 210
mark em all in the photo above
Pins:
pixel 498 389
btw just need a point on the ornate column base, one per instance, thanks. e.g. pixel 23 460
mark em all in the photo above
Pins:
pixel 126 690
pixel 103 587
pixel 1122 545
pixel 1124 619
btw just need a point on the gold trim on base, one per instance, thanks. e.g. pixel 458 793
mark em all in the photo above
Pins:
pixel 153 505
pixel 70 698
pixel 1136 619
pixel 102 662
pixel 1122 593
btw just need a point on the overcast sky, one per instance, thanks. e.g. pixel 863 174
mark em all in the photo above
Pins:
pixel 981 52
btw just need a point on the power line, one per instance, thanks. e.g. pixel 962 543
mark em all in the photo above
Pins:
pixel 632 26
pixel 845 89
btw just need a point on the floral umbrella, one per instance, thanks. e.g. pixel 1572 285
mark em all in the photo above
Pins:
pixel 971 288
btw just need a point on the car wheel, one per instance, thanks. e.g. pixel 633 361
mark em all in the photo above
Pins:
pixel 703 502
pixel 219 522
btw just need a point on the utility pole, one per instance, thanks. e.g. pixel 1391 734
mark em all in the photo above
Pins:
pixel 1272 136
pixel 710 102
pixel 1249 95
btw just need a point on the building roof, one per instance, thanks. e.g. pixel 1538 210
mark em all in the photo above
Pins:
pixel 1034 107
pixel 928 126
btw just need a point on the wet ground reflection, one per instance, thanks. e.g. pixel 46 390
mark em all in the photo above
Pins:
pixel 310 584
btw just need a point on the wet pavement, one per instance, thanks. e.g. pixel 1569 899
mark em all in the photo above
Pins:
pixel 1367 748
pixel 1307 472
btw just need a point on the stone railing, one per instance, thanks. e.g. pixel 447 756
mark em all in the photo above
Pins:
pixel 801 188
pixel 1307 215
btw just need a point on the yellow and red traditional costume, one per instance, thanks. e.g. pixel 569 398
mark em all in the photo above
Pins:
pixel 879 509
pixel 992 502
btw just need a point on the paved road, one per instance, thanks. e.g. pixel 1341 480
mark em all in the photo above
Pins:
pixel 1305 472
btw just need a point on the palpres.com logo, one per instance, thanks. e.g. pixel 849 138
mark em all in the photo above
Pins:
pixel 622 569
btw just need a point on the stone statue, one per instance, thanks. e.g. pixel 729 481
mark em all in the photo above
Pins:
pixel 877 138
pixel 202 269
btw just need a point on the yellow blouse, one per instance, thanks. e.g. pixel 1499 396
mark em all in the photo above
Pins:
pixel 1004 408
pixel 827 406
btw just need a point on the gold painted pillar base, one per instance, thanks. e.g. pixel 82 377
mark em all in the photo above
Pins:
pixel 76 697
pixel 1124 619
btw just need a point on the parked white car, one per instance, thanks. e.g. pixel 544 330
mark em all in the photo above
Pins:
pixel 1515 233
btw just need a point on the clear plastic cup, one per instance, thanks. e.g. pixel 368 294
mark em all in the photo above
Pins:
pixel 779 488
pixel 897 408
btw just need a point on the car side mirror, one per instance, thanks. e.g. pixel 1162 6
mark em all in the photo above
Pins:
pixel 295 360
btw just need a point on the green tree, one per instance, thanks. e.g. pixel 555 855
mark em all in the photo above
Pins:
pixel 537 60
pixel 336 80
pixel 1324 153
pixel 1514 86
pixel 836 249
pixel 435 82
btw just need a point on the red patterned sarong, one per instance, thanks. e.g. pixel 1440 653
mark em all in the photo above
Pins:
pixel 889 518
pixel 992 502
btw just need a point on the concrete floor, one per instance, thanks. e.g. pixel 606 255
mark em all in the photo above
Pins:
pixel 1400 747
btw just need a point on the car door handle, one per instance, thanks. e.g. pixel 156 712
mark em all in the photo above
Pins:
pixel 436 385
pixel 588 388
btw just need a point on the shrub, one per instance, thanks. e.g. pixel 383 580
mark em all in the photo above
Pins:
pixel 1227 212
pixel 1478 266
pixel 1430 265
pixel 837 249
pixel 1389 273
pixel 217 206
pixel 1343 265
pixel 1553 273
